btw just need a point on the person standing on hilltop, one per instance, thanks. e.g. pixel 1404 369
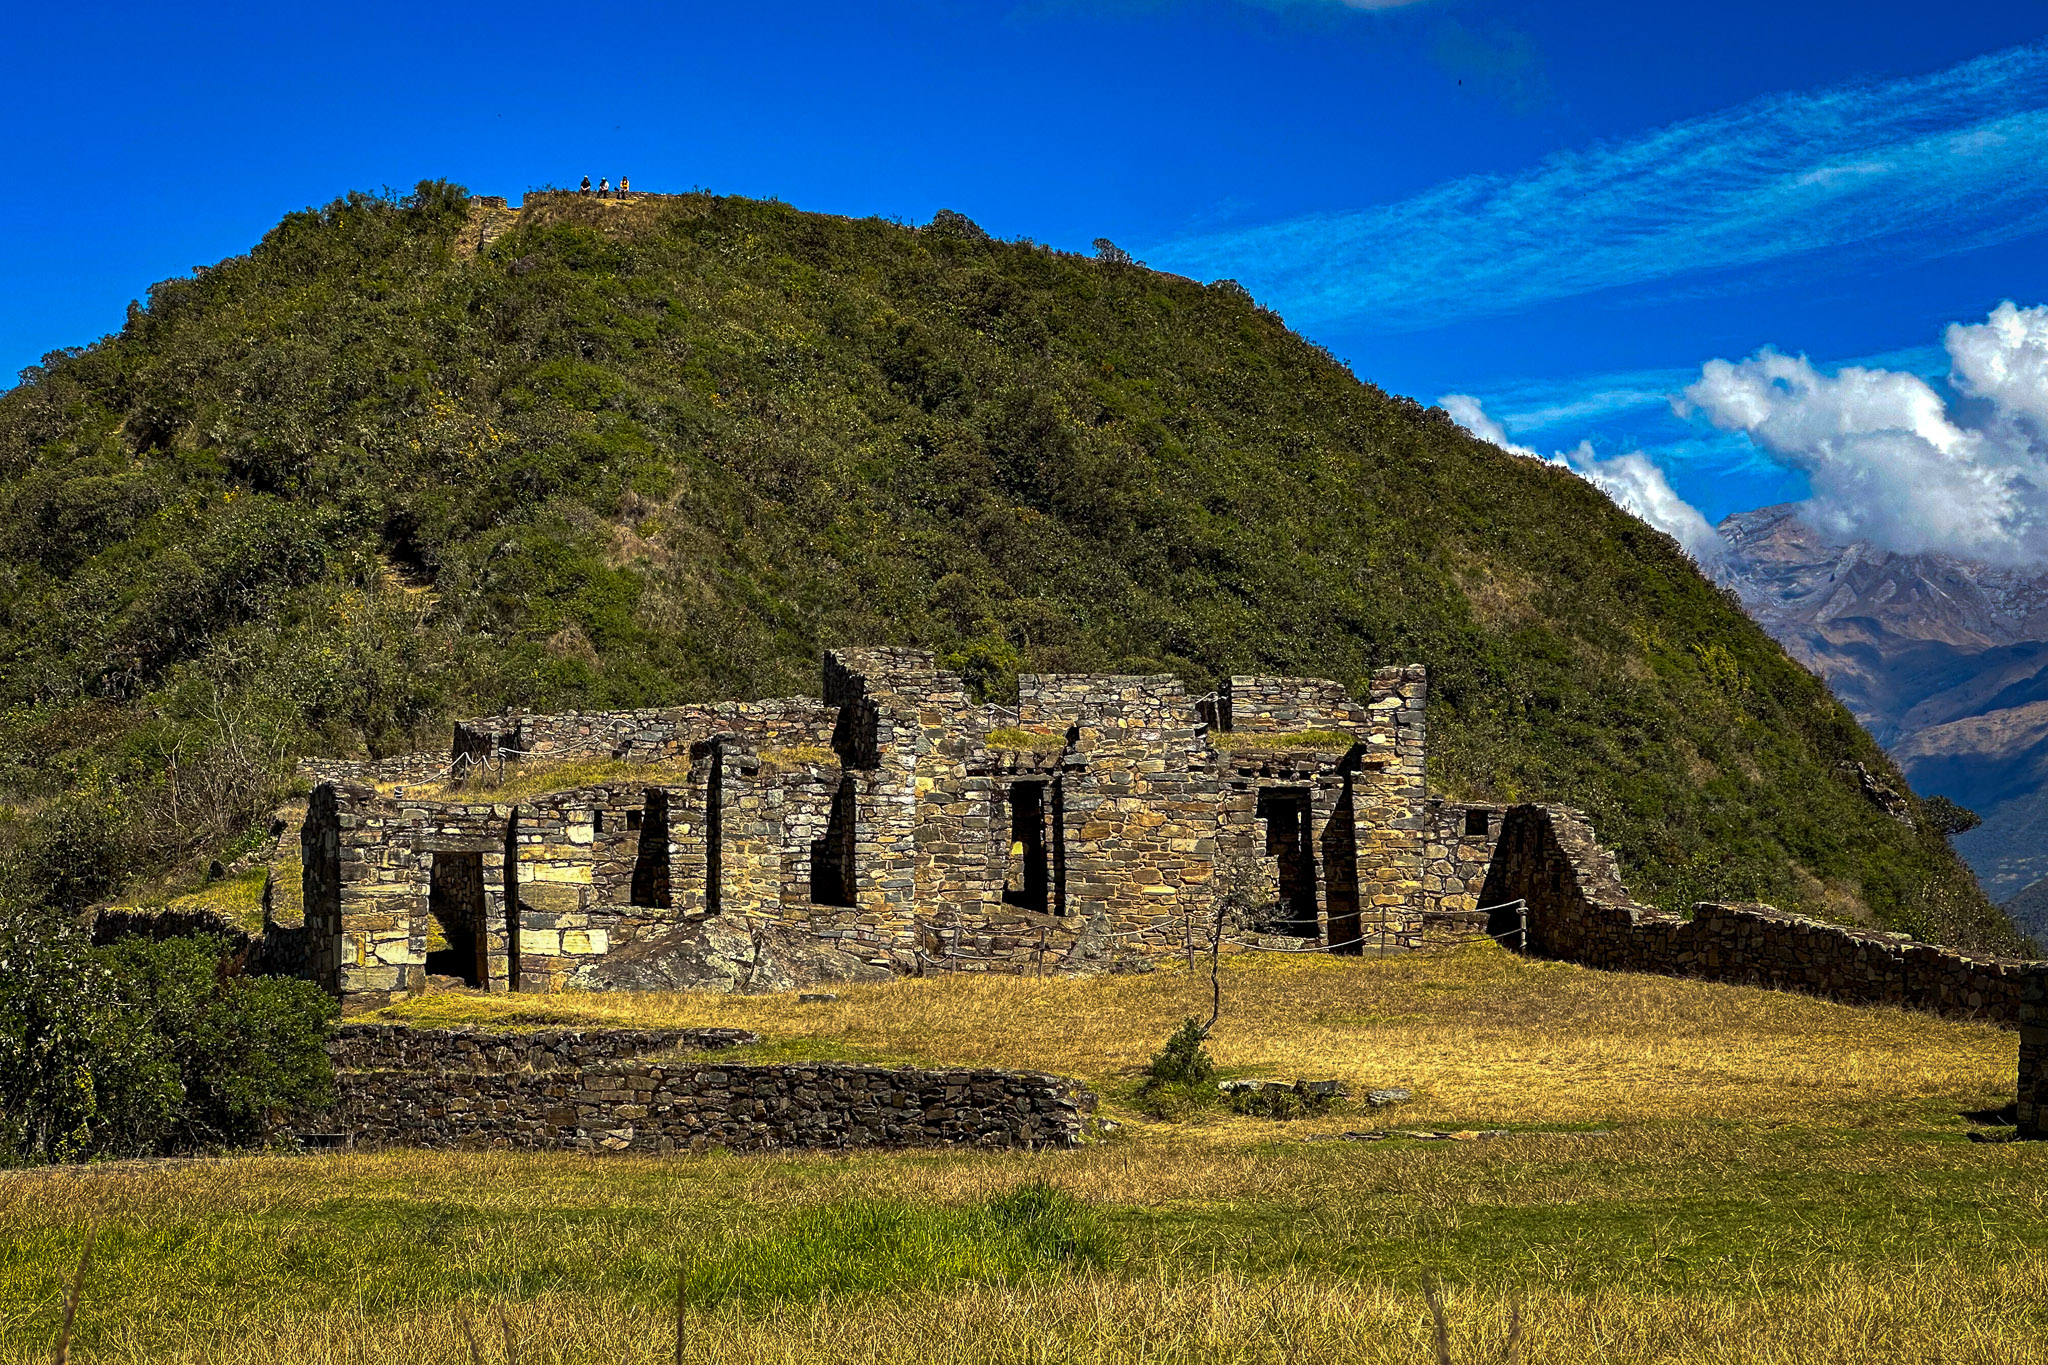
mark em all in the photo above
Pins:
pixel 624 185
pixel 586 186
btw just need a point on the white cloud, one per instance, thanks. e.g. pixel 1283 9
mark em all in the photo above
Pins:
pixel 1901 170
pixel 1633 481
pixel 2004 359
pixel 1470 414
pixel 1639 487
pixel 1891 460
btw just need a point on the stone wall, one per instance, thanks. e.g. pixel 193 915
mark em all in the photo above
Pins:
pixel 1461 840
pixel 623 1090
pixel 891 819
pixel 2032 1109
pixel 1575 908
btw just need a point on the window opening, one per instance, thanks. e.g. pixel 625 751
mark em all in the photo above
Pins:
pixel 1478 822
pixel 832 870
pixel 650 858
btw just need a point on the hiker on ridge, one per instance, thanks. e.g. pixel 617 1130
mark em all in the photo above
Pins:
pixel 586 186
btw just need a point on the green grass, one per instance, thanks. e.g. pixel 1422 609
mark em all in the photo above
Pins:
pixel 1688 1211
pixel 1771 1164
pixel 1333 740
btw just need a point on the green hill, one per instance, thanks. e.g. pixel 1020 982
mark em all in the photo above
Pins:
pixel 323 496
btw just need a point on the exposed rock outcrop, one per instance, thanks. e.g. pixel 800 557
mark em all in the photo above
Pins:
pixel 728 954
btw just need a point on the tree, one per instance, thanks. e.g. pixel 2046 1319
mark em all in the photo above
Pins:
pixel 1948 818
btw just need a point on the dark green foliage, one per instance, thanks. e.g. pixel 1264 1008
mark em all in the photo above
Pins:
pixel 323 496
pixel 1296 1101
pixel 78 1075
pixel 1947 817
pixel 146 1048
pixel 1184 1060
pixel 1181 1077
pixel 248 1049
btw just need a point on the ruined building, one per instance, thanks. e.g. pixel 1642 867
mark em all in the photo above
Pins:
pixel 896 821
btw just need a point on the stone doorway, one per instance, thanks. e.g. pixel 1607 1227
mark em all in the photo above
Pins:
pixel 832 869
pixel 1286 811
pixel 1027 875
pixel 455 910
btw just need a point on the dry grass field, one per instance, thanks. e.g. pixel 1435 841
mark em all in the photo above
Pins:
pixel 1777 1179
pixel 1478 1034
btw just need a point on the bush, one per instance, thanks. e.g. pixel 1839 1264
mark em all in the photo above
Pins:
pixel 78 1077
pixel 1948 818
pixel 1181 1076
pixel 1183 1061
pixel 248 1050
pixel 146 1048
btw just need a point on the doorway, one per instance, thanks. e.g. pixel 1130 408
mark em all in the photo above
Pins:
pixel 1027 874
pixel 1286 811
pixel 455 905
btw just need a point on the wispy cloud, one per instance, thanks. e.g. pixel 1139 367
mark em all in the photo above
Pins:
pixel 1633 481
pixel 1912 169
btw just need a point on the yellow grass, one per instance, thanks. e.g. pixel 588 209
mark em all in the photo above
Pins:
pixel 237 899
pixel 524 781
pixel 1844 1317
pixel 1479 1035
pixel 798 754
pixel 1301 739
pixel 1785 1180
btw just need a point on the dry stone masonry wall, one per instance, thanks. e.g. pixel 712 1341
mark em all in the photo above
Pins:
pixel 656 1091
pixel 1573 906
pixel 893 819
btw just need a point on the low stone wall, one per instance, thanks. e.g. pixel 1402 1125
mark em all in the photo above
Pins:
pixel 623 1090
pixel 1576 908
pixel 2031 1113
pixel 489 1052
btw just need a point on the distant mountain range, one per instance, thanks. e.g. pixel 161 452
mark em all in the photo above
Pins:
pixel 1944 659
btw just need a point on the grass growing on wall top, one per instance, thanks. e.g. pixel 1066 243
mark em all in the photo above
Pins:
pixel 1327 740
pixel 527 780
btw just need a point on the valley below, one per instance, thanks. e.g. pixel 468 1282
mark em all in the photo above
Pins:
pixel 1944 660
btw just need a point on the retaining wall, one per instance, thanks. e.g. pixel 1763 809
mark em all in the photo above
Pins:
pixel 629 1090
pixel 1577 909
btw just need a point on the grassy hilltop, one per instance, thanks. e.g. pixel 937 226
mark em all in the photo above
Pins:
pixel 326 495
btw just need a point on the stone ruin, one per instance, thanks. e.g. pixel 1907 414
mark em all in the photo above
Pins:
pixel 898 827
pixel 893 826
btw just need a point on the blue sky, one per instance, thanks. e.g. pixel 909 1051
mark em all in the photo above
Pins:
pixel 1562 210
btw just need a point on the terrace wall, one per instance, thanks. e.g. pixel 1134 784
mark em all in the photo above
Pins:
pixel 1577 909
pixel 624 1090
